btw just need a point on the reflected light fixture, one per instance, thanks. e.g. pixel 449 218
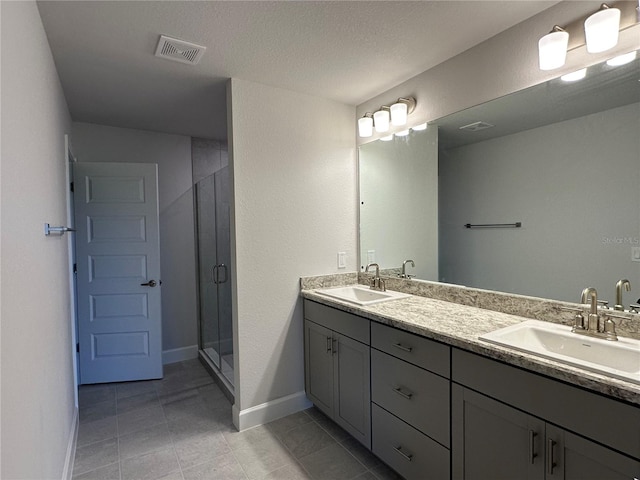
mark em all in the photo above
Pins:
pixel 403 133
pixel 422 126
pixel 365 126
pixel 387 138
pixel 574 76
pixel 552 49
pixel 381 120
pixel 622 59
pixel 601 29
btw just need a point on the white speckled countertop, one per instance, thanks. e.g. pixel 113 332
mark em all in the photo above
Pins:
pixel 460 326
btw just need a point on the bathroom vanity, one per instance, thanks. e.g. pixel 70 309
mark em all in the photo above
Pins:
pixel 411 381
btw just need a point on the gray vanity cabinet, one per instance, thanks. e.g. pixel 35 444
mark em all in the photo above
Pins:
pixel 515 434
pixel 410 409
pixel 337 367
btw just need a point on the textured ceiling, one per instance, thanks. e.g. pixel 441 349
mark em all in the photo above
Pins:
pixel 348 51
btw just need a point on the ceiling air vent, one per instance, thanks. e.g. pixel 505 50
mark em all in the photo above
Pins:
pixel 179 50
pixel 477 126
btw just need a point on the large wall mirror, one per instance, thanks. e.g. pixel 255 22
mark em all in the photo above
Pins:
pixel 561 159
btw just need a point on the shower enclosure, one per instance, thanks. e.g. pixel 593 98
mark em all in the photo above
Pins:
pixel 214 255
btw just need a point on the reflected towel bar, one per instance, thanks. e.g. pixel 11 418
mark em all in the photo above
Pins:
pixel 495 225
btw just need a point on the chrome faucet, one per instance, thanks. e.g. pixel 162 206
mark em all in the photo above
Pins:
pixel 404 266
pixel 376 283
pixel 593 326
pixel 621 283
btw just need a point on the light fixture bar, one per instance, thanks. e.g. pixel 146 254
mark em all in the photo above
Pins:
pixel 386 116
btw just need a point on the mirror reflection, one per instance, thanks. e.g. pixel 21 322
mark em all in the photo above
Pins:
pixel 562 158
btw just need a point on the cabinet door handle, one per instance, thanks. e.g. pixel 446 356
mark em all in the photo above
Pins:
pixel 406 395
pixel 532 446
pixel 407 456
pixel 402 347
pixel 328 344
pixel 550 462
pixel 334 345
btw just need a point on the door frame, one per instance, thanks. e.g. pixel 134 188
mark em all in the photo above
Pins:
pixel 71 248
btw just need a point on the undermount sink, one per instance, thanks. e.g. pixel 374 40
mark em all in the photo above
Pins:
pixel 619 359
pixel 361 295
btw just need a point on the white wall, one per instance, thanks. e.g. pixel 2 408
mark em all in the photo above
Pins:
pixel 506 63
pixel 574 185
pixel 172 153
pixel 399 203
pixel 38 411
pixel 294 181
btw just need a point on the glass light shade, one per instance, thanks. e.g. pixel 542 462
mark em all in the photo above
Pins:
pixel 365 126
pixel 622 59
pixel 552 50
pixel 381 120
pixel 574 76
pixel 387 138
pixel 601 30
pixel 399 113
pixel 422 126
pixel 402 133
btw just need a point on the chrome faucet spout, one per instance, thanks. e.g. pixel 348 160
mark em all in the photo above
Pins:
pixel 377 283
pixel 590 294
pixel 404 266
pixel 621 283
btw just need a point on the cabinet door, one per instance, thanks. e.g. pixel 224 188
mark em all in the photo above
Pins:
pixel 352 392
pixel 570 457
pixel 493 440
pixel 318 359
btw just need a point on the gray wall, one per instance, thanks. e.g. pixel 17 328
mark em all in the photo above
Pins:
pixel 172 153
pixel 575 185
pixel 38 407
pixel 294 209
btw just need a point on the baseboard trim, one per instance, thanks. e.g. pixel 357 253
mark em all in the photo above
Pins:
pixel 269 411
pixel 179 354
pixel 70 458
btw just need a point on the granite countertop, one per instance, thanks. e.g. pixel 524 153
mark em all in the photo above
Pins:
pixel 460 326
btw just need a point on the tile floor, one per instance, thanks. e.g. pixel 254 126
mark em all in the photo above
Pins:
pixel 179 428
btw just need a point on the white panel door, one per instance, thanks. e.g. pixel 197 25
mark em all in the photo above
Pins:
pixel 118 261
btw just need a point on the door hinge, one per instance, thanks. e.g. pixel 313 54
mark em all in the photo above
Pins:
pixel 77 348
pixel 71 186
pixel 75 268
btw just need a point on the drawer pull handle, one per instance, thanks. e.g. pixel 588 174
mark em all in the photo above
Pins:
pixel 406 395
pixel 329 349
pixel 402 347
pixel 407 456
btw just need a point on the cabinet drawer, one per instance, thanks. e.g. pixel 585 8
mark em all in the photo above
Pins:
pixel 415 349
pixel 406 450
pixel 418 397
pixel 342 322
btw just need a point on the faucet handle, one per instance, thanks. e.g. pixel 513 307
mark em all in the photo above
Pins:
pixel 634 308
pixel 604 304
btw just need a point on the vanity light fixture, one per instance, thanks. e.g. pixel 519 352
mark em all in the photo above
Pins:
pixel 574 76
pixel 403 133
pixel 365 126
pixel 601 29
pixel 381 120
pixel 418 128
pixel 552 49
pixel 387 138
pixel 622 59
pixel 386 116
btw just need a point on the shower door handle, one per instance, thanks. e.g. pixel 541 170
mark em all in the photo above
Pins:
pixel 226 277
pixel 214 274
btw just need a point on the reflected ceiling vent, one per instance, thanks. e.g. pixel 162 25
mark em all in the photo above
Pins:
pixel 477 126
pixel 179 50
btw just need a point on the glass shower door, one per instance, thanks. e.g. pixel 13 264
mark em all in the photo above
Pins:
pixel 214 257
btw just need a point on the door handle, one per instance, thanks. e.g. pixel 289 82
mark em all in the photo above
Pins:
pixel 223 266
pixel 150 283
pixel 214 274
